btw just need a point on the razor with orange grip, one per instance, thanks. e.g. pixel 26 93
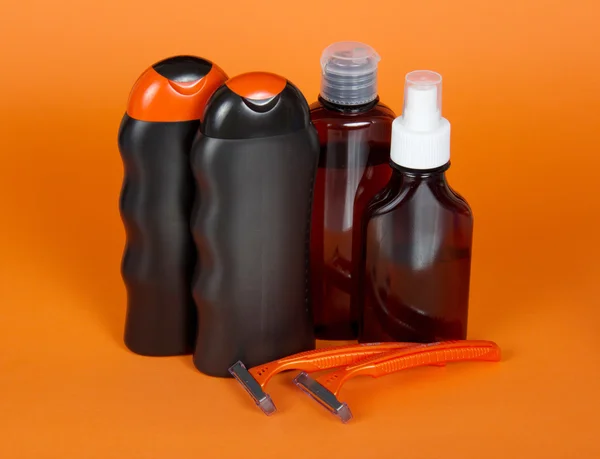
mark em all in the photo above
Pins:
pixel 255 379
pixel 325 389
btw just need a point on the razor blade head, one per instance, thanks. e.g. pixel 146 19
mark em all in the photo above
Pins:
pixel 260 397
pixel 323 396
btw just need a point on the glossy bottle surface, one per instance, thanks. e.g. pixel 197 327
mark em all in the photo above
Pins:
pixel 417 255
pixel 155 138
pixel 353 167
pixel 255 163
pixel 157 266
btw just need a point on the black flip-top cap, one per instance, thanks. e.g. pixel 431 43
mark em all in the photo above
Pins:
pixel 183 69
pixel 255 105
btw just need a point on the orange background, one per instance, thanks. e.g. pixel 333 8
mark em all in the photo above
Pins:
pixel 521 88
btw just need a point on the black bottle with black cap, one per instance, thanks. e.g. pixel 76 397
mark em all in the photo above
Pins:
pixel 155 137
pixel 255 162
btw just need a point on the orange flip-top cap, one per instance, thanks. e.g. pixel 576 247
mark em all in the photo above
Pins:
pixel 156 98
pixel 257 85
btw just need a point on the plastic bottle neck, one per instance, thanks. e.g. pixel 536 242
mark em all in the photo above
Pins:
pixel 439 173
pixel 349 109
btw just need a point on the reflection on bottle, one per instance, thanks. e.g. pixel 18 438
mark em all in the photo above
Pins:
pixel 410 306
pixel 418 261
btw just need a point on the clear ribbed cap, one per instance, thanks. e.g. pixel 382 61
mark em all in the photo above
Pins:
pixel 349 73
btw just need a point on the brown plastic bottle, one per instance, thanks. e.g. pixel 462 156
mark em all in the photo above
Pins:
pixel 354 134
pixel 416 251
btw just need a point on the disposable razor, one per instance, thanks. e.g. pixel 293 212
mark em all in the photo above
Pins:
pixel 325 389
pixel 255 379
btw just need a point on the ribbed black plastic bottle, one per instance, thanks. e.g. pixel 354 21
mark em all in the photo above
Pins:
pixel 155 137
pixel 255 162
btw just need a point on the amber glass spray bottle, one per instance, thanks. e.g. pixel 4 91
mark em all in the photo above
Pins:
pixel 418 232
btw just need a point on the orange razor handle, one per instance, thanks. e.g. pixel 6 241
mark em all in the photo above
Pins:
pixel 413 356
pixel 323 359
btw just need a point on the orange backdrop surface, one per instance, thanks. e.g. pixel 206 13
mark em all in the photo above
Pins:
pixel 522 90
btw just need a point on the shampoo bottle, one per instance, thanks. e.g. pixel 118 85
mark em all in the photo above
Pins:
pixel 254 162
pixel 156 134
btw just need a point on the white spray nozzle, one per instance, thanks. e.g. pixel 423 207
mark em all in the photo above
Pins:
pixel 421 137
pixel 422 100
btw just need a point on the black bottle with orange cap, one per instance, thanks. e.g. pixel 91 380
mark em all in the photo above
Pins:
pixel 255 162
pixel 155 137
